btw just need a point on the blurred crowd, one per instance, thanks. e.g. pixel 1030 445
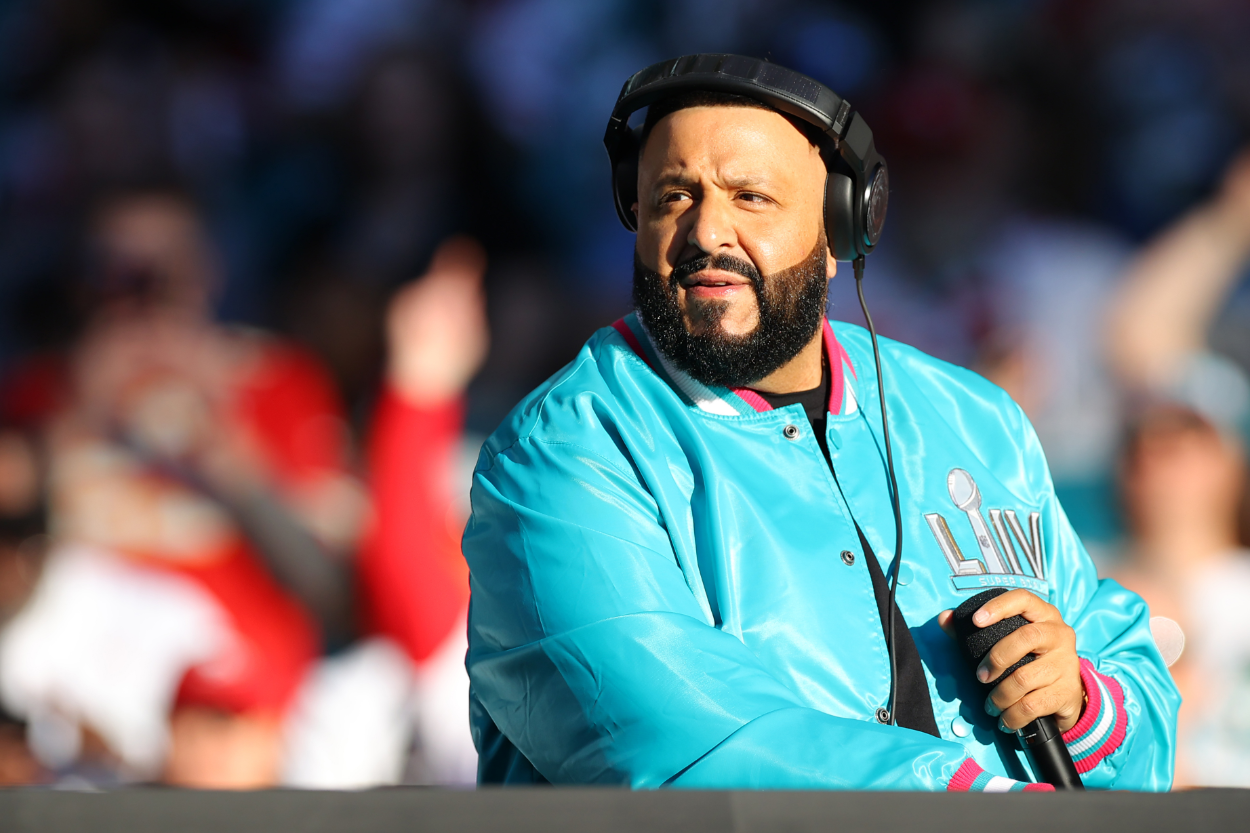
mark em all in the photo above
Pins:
pixel 270 270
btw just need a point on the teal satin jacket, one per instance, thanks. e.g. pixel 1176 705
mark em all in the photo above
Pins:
pixel 668 588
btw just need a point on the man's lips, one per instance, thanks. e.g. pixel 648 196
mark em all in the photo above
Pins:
pixel 714 283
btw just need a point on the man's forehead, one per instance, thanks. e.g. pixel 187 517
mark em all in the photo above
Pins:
pixel 752 136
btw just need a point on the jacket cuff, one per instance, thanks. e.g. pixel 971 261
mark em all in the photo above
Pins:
pixel 1101 729
pixel 971 778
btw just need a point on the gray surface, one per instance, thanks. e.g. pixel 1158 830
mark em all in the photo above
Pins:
pixel 548 809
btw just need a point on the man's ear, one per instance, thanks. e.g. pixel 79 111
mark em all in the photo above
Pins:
pixel 831 265
pixel 634 208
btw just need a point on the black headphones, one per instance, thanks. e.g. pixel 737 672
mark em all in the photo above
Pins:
pixel 858 185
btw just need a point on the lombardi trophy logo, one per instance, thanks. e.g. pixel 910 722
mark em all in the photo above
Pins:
pixel 998 565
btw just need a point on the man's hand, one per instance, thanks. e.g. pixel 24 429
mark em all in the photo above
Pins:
pixel 1050 684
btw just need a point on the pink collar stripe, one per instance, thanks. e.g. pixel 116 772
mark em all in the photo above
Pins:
pixel 632 340
pixel 836 354
pixel 753 399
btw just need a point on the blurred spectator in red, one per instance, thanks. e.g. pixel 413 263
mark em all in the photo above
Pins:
pixel 360 709
pixel 416 581
pixel 186 458
pixel 22 544
pixel 437 337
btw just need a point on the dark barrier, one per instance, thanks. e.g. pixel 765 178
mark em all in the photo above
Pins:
pixel 609 811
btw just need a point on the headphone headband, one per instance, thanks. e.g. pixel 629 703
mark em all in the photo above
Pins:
pixel 784 89
pixel 853 223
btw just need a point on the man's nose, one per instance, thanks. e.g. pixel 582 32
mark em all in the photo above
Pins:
pixel 710 226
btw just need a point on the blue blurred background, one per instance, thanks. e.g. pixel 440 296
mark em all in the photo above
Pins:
pixel 332 143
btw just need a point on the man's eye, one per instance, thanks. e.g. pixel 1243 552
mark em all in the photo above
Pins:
pixel 750 197
pixel 674 196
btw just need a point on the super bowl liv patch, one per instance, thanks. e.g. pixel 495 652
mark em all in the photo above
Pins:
pixel 997 563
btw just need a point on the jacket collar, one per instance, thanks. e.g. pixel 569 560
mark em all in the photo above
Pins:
pixel 736 401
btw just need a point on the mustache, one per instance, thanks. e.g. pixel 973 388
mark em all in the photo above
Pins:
pixel 726 263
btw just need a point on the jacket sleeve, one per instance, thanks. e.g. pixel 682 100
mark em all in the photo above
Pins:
pixel 591 654
pixel 1126 737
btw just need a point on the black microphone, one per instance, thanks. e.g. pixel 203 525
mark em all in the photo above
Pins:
pixel 1042 740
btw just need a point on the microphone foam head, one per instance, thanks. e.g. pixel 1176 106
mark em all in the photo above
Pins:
pixel 975 643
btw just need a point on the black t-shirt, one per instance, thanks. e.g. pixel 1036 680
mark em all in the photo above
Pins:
pixel 913 709
pixel 815 404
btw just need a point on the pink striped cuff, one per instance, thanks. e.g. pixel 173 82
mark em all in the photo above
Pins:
pixel 1101 729
pixel 971 778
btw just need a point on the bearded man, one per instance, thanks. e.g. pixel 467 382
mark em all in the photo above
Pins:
pixel 681 544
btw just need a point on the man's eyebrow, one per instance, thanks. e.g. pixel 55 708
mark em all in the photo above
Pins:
pixel 747 181
pixel 675 178
pixel 684 178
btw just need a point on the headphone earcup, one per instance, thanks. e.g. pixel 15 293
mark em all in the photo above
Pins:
pixel 625 178
pixel 840 215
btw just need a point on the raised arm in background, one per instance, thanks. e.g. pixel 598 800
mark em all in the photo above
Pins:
pixel 1174 289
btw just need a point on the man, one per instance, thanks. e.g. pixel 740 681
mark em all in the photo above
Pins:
pixel 680 544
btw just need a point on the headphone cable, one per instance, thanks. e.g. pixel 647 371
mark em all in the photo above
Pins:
pixel 892 574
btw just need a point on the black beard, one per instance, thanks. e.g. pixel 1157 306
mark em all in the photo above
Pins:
pixel 791 307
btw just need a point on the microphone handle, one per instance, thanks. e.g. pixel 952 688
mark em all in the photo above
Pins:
pixel 1043 743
